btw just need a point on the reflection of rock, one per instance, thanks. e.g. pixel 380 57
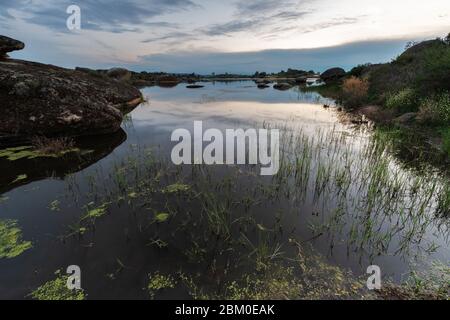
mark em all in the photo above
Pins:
pixel 168 81
pixel 8 45
pixel 406 118
pixel 92 149
pixel 38 99
pixel 282 86
pixel 263 86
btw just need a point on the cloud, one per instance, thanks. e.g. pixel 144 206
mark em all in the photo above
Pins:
pixel 332 23
pixel 169 36
pixel 319 59
pixel 105 15
pixel 258 7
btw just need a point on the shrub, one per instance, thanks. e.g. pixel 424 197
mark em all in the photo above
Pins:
pixel 446 140
pixel 355 91
pixel 436 109
pixel 402 101
pixel 434 72
pixel 359 70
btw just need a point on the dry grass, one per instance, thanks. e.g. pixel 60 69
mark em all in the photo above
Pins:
pixel 355 91
pixel 52 145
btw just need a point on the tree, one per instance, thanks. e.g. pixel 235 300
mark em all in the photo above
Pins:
pixel 447 39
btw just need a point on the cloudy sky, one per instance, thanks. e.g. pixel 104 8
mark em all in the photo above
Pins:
pixel 207 36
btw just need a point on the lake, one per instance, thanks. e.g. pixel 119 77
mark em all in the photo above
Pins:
pixel 140 227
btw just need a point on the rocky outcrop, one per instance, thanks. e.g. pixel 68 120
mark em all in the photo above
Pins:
pixel 8 45
pixel 44 100
pixel 119 74
pixel 332 74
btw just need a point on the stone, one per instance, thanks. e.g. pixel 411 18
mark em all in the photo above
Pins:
pixel 8 45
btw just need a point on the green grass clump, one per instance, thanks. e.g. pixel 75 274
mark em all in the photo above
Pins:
pixel 11 243
pixel 57 290
pixel 403 101
pixel 436 109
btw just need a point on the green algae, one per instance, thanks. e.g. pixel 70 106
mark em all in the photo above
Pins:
pixel 176 188
pixel 57 290
pixel 161 217
pixel 27 152
pixel 20 178
pixel 11 243
pixel 158 282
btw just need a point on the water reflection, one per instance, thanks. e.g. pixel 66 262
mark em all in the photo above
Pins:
pixel 91 150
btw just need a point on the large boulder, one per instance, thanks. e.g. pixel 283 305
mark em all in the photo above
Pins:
pixel 333 74
pixel 7 45
pixel 44 100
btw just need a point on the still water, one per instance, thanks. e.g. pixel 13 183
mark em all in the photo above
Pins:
pixel 121 211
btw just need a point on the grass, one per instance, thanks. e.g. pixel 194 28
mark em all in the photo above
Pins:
pixel 446 140
pixel 52 146
pixel 219 223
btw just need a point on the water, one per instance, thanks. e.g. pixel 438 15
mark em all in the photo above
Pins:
pixel 330 195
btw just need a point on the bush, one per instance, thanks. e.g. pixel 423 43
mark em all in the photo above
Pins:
pixel 436 109
pixel 359 70
pixel 446 140
pixel 403 101
pixel 355 91
pixel 434 73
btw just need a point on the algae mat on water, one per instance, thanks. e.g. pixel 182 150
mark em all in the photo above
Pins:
pixel 11 243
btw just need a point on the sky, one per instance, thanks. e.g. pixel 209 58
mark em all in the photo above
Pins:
pixel 235 36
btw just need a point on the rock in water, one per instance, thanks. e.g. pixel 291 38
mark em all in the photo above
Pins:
pixel 7 45
pixel 282 86
pixel 38 99
pixel 332 74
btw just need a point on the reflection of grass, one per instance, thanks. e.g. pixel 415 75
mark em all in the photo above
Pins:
pixel 11 243
pixel 220 222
